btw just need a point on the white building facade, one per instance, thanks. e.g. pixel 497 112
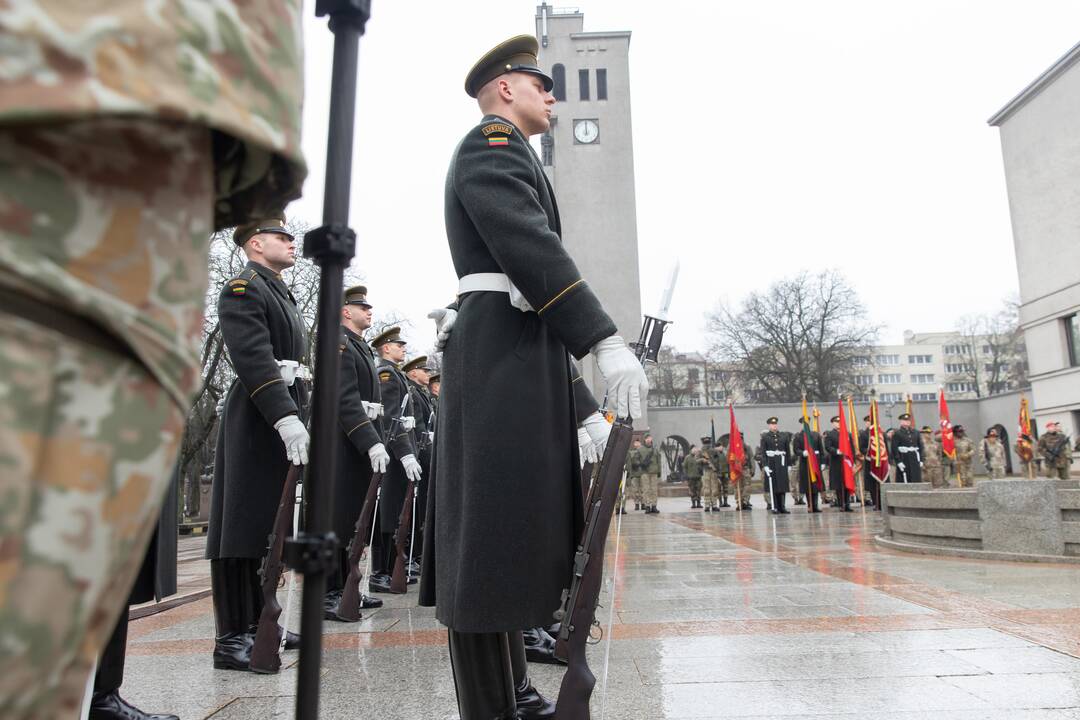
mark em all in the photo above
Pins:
pixel 1040 145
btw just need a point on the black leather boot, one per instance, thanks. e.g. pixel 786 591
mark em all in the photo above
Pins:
pixel 540 647
pixel 234 611
pixel 110 706
pixel 531 705
pixel 483 676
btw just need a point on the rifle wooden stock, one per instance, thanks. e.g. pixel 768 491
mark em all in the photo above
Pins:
pixel 348 608
pixel 264 654
pixel 399 581
pixel 580 600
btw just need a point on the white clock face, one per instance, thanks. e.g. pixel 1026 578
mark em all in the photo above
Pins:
pixel 586 131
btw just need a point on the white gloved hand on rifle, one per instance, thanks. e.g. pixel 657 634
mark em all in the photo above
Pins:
pixel 372 410
pixel 379 457
pixel 295 437
pixel 586 448
pixel 412 467
pixel 901 467
pixel 599 429
pixel 627 385
pixel 444 322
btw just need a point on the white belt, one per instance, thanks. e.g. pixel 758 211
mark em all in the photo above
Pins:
pixel 906 449
pixel 493 282
pixel 291 371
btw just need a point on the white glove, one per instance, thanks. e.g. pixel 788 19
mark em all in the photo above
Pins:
pixel 444 321
pixel 805 454
pixel 296 438
pixel 900 466
pixel 599 429
pixel 220 407
pixel 626 381
pixel 412 467
pixel 408 422
pixel 586 448
pixel 431 437
pixel 379 457
pixel 372 410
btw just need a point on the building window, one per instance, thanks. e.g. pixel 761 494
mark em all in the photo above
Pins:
pixel 719 397
pixel 1072 338
pixel 953 350
pixel 583 83
pixel 889 379
pixel 957 368
pixel 601 84
pixel 985 349
pixel 860 361
pixel 692 375
pixel 959 387
pixel 887 359
pixel 558 82
pixel 891 397
pixel 920 359
pixel 695 400
pixel 922 378
pixel 864 379
pixel 924 397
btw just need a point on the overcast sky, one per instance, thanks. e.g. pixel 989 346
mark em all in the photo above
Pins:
pixel 769 138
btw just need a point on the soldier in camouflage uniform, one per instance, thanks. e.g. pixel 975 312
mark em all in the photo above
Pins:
pixel 723 475
pixel 965 451
pixel 710 483
pixel 692 467
pixel 932 457
pixel 992 452
pixel 129 131
pixel 649 462
pixel 1053 448
pixel 632 486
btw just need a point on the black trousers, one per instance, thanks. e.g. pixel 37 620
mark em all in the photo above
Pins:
pixel 238 601
pixel 110 670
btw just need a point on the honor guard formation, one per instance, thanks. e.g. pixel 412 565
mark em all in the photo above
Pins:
pixel 116 173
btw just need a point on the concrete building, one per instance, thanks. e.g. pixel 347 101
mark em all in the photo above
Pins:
pixel 918 367
pixel 589 157
pixel 1040 146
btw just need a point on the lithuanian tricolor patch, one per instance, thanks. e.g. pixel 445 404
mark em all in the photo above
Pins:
pixel 496 141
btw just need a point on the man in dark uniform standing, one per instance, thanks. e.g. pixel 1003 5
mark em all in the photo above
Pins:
pixel 416 372
pixel 870 483
pixel 404 467
pixel 774 456
pixel 906 452
pixel 836 465
pixel 261 432
pixel 807 456
pixel 493 564
pixel 361 451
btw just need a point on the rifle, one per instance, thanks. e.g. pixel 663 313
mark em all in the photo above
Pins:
pixel 348 608
pixel 265 657
pixel 399 580
pixel 577 610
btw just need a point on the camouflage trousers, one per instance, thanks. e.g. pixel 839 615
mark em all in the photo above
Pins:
pixel 693 486
pixel 710 488
pixel 935 475
pixel 961 474
pixel 650 485
pixel 1059 473
pixel 88 434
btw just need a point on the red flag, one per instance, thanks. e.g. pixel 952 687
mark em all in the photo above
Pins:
pixel 1023 438
pixel 736 451
pixel 846 451
pixel 948 443
pixel 876 452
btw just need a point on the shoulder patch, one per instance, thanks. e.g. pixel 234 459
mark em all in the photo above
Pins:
pixel 237 281
pixel 384 376
pixel 498 141
pixel 499 128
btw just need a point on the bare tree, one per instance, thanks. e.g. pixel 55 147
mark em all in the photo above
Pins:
pixel 993 351
pixel 800 335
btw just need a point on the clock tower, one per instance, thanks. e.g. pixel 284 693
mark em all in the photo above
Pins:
pixel 589 157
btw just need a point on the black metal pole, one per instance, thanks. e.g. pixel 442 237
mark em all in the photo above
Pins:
pixel 332 247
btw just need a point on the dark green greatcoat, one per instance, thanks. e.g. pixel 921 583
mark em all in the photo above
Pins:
pixel 504 511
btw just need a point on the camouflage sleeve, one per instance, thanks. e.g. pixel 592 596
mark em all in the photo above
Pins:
pixel 243 317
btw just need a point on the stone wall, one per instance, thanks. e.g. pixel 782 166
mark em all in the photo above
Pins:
pixel 997 519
